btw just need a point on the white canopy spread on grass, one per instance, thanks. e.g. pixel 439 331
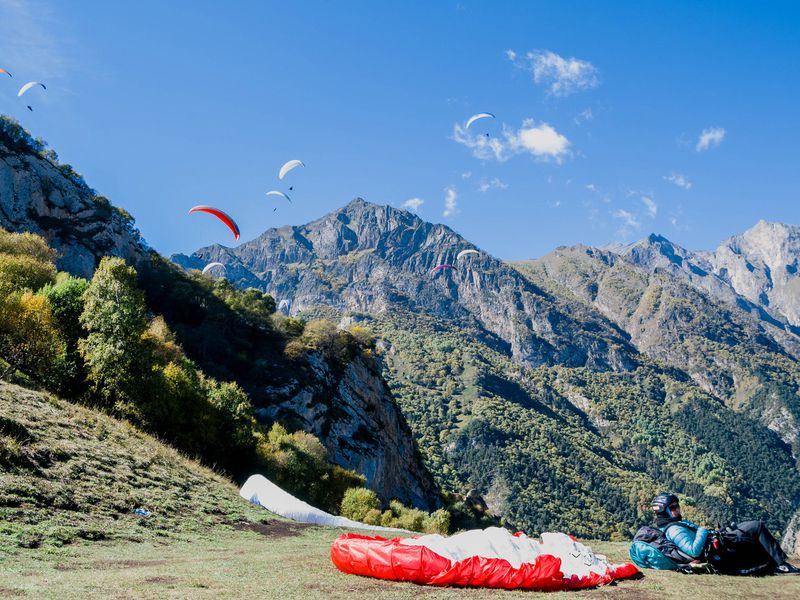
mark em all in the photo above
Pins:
pixel 260 490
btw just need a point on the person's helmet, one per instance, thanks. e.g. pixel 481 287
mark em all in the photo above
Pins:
pixel 662 502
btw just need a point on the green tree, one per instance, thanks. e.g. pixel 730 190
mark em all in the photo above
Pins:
pixel 66 304
pixel 117 355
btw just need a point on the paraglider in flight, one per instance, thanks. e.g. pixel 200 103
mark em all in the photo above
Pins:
pixel 277 193
pixel 28 86
pixel 465 252
pixel 210 266
pixel 225 218
pixel 474 118
pixel 435 270
pixel 292 164
pixel 6 72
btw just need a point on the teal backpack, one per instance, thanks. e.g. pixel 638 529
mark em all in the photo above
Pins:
pixel 651 549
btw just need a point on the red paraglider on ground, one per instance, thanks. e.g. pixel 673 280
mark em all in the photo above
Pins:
pixel 222 216
pixel 491 558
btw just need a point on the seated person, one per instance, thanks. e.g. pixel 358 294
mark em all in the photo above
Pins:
pixel 739 548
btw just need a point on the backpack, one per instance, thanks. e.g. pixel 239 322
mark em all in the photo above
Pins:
pixel 651 549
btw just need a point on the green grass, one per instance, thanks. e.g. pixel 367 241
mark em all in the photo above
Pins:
pixel 68 473
pixel 293 562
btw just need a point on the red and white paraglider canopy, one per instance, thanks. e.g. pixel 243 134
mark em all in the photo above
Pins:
pixel 480 558
pixel 222 216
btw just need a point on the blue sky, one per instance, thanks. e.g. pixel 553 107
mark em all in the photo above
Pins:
pixel 614 120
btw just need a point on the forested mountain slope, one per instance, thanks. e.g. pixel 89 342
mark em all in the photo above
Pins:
pixel 524 390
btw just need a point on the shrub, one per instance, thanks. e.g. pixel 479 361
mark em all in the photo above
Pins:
pixel 362 335
pixel 24 272
pixel 336 346
pixel 373 517
pixel 298 463
pixel 411 519
pixel 437 522
pixel 26 244
pixel 358 502
pixel 29 340
pixel 290 327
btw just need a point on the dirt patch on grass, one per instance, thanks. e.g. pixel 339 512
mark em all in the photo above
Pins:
pixel 10 593
pixel 162 580
pixel 132 564
pixel 272 529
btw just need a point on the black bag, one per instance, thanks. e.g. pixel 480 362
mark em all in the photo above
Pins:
pixel 730 553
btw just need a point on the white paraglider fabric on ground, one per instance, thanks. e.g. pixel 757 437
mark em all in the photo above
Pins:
pixel 496 542
pixel 260 490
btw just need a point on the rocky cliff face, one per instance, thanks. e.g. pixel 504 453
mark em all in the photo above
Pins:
pixel 791 539
pixel 370 258
pixel 39 196
pixel 761 265
pixel 356 418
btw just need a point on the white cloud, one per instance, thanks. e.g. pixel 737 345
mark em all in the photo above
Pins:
pixel 450 201
pixel 679 180
pixel 412 204
pixel 491 184
pixel 583 116
pixel 629 222
pixel 482 147
pixel 466 175
pixel 711 137
pixel 592 188
pixel 541 141
pixel 562 76
pixel 651 206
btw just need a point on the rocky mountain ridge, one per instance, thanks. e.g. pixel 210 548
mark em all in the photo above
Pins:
pixel 728 351
pixel 369 258
pixel 755 270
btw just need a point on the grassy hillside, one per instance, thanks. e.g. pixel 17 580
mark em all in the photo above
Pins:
pixel 69 473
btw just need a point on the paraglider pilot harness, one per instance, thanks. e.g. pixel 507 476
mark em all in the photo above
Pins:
pixel 718 552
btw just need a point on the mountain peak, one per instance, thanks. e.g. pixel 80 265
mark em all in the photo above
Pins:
pixel 358 201
pixel 771 230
